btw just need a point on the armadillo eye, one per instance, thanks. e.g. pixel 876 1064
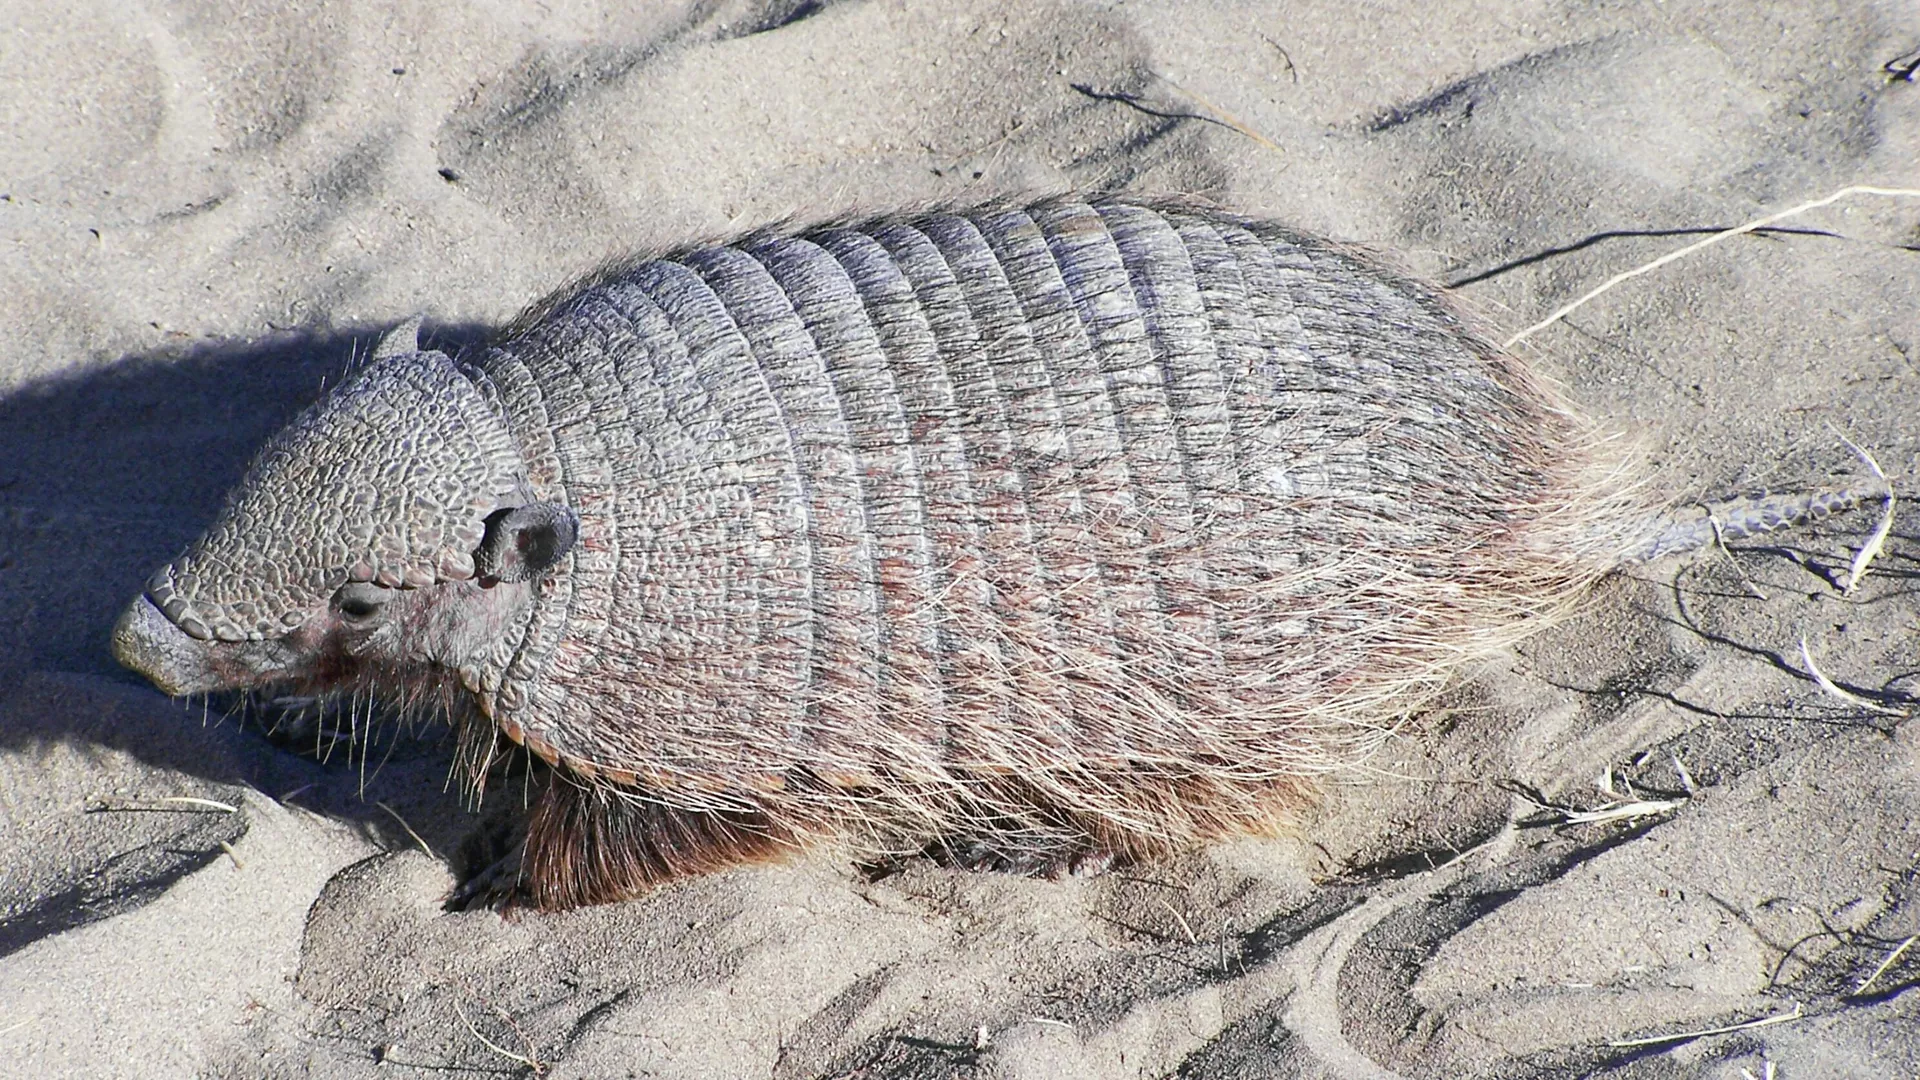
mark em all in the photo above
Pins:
pixel 360 601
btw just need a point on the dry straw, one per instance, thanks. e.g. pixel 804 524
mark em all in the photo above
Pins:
pixel 192 800
pixel 424 846
pixel 1892 959
pixel 1871 549
pixel 1752 226
pixel 1834 689
pixel 1683 1036
pixel 538 1067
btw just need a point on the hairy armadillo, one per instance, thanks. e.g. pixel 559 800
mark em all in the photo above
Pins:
pixel 1045 535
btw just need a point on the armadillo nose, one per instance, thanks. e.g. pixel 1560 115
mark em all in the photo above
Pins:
pixel 146 641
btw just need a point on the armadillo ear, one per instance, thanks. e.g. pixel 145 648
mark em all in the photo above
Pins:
pixel 523 542
pixel 400 340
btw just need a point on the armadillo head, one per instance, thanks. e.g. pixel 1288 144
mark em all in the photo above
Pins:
pixel 389 533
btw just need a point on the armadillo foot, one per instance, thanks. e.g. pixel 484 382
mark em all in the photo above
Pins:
pixel 496 886
pixel 489 863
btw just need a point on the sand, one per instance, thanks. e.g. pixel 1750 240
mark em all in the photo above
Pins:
pixel 206 209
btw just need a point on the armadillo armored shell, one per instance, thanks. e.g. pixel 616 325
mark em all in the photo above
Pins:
pixel 1080 517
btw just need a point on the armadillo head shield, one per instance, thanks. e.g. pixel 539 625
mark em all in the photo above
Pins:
pixel 389 479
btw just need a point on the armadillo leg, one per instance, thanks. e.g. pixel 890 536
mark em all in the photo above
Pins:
pixel 593 845
pixel 490 866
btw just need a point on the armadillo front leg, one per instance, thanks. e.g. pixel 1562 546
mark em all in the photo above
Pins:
pixel 594 844
pixel 489 865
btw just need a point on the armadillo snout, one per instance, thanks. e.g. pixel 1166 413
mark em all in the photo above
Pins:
pixel 146 641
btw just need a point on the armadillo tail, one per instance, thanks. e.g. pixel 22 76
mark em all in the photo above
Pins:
pixel 1737 519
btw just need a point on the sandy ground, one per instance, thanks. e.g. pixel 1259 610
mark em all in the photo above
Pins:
pixel 205 208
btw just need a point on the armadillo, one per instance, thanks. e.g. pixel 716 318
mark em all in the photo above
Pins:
pixel 1042 535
